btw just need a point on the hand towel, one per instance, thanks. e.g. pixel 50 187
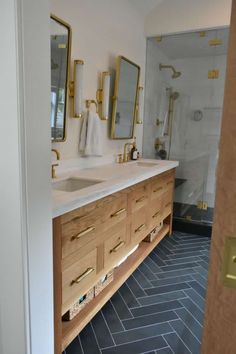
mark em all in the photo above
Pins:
pixel 83 133
pixel 91 142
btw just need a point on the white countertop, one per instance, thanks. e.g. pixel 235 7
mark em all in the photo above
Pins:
pixel 114 177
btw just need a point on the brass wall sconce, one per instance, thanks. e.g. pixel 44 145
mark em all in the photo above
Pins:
pixel 102 97
pixel 76 89
pixel 103 94
pixel 139 106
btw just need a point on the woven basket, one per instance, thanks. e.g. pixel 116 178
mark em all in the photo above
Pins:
pixel 154 233
pixel 103 282
pixel 79 305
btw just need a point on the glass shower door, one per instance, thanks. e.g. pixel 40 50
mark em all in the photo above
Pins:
pixel 183 114
pixel 197 154
pixel 212 125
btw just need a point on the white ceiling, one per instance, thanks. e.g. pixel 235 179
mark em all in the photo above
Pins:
pixel 190 44
pixel 144 7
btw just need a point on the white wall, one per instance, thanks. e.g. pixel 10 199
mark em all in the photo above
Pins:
pixel 101 30
pixel 172 16
pixel 26 303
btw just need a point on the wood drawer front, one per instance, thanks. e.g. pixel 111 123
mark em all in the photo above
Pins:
pixel 155 212
pixel 76 235
pixel 86 228
pixel 167 203
pixel 157 188
pixel 78 279
pixel 169 181
pixel 114 212
pixel 139 197
pixel 115 246
pixel 139 225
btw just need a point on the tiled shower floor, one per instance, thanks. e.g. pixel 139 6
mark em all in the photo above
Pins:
pixel 159 310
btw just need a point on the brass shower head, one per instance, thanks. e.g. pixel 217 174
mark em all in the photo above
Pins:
pixel 175 74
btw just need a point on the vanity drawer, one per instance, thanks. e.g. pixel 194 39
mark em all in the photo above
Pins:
pixel 139 225
pixel 76 235
pixel 167 203
pixel 115 212
pixel 139 197
pixel 155 213
pixel 87 226
pixel 115 246
pixel 157 188
pixel 169 181
pixel 78 279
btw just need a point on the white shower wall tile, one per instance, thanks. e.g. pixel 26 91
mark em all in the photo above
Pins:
pixel 156 83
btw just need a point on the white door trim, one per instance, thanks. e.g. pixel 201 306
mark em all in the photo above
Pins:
pixel 26 297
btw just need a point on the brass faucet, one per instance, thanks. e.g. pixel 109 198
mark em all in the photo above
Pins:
pixel 55 164
pixel 125 155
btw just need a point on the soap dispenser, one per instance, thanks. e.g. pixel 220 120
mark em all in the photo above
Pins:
pixel 134 151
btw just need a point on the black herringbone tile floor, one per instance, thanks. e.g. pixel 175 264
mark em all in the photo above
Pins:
pixel 159 310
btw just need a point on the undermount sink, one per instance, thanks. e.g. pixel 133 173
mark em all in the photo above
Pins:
pixel 146 164
pixel 73 184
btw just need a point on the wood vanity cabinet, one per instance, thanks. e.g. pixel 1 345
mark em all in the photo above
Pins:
pixel 91 240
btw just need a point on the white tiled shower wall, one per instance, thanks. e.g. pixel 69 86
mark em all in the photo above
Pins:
pixel 156 83
pixel 194 144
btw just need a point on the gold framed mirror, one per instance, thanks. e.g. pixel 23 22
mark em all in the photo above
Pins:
pixel 125 99
pixel 60 41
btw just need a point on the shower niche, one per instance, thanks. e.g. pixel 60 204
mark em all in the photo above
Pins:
pixel 183 110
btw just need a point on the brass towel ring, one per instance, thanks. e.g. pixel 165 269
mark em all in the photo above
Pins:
pixel 89 102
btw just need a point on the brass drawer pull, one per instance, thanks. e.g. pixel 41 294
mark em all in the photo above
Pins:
pixel 117 247
pixel 77 218
pixel 167 205
pixel 140 228
pixel 117 213
pixel 141 199
pixel 157 189
pixel 156 214
pixel 83 233
pixel 82 276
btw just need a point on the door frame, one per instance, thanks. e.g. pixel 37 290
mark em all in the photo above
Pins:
pixel 26 272
pixel 220 312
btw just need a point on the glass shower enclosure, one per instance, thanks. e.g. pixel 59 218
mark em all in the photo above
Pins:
pixel 185 75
